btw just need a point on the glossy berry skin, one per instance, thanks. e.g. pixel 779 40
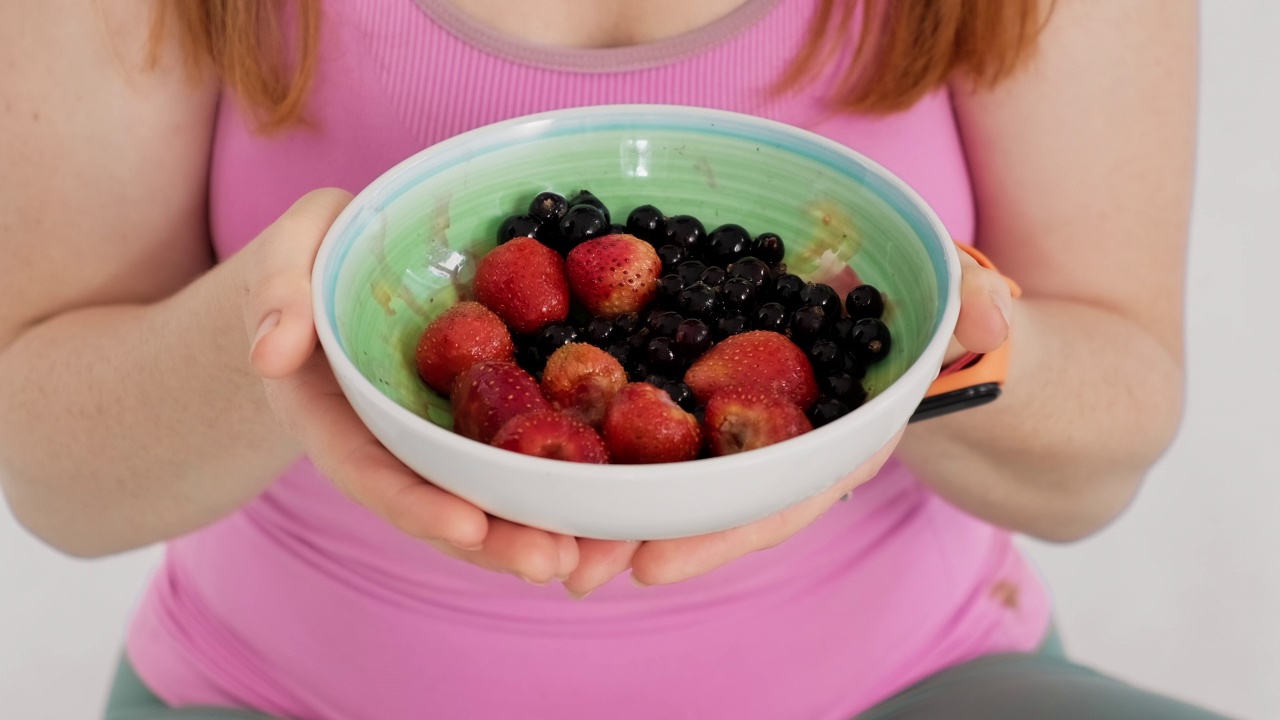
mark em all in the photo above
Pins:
pixel 727 243
pixel 853 367
pixel 713 276
pixel 555 336
pixel 459 338
pixel 844 387
pixel 664 323
pixel 627 324
pixel 772 316
pixel 700 301
pixel 732 325
pixel 553 435
pixel 681 394
pixel 826 357
pixel 869 341
pixel 515 226
pixel 827 410
pixel 582 223
pixel 647 223
pixel 661 355
pixel 490 393
pixel 585 197
pixel 864 302
pixel 823 296
pixel 737 294
pixel 770 248
pixel 548 207
pixel 753 270
pixel 657 380
pixel 690 271
pixel 738 420
pixel 524 282
pixel 613 274
pixel 671 255
pixel 620 352
pixel 693 338
pixel 669 287
pixel 639 340
pixel 644 425
pixel 786 290
pixel 598 331
pixel 808 324
pixel 687 232
pixel 841 330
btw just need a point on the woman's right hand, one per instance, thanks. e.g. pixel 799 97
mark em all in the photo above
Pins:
pixel 306 399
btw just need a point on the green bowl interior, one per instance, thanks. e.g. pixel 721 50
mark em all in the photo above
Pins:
pixel 410 251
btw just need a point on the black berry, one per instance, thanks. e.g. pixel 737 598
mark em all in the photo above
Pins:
pixel 585 197
pixel 548 207
pixel 753 270
pixel 864 301
pixel 841 329
pixel 827 410
pixel 826 357
pixel 530 358
pixel 727 243
pixel 713 276
pixel 517 226
pixel 737 294
pixel 627 323
pixel 693 338
pixel 823 296
pixel 671 257
pixel 620 352
pixel 554 337
pixel 616 229
pixel 732 325
pixel 669 287
pixel 772 316
pixel 656 379
pixel 581 223
pixel 682 395
pixel 647 223
pixel 770 248
pixel 853 367
pixel 690 271
pixel 808 324
pixel 664 323
pixel 661 354
pixel 844 387
pixel 786 290
pixel 598 332
pixel 687 232
pixel 869 341
pixel 639 372
pixel 700 300
pixel 638 341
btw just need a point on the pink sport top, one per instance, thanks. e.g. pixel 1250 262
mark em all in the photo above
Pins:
pixel 304 605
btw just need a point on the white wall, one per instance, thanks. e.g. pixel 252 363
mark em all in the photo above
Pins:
pixel 1182 594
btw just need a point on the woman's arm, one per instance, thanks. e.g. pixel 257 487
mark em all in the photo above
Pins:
pixel 1082 168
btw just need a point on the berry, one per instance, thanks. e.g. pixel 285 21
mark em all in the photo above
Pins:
pixel 687 232
pixel 681 394
pixel 647 223
pixel 868 341
pixel 586 198
pixel 530 358
pixel 741 420
pixel 727 243
pixel 639 340
pixel 700 301
pixel 731 325
pixel 737 294
pixel 661 356
pixel 827 410
pixel 853 367
pixel 580 380
pixel 553 337
pixel 671 257
pixel 459 338
pixel 639 373
pixel 864 301
pixel 669 287
pixel 772 316
pixel 656 380
pixel 664 323
pixel 582 223
pixel 844 387
pixel 826 357
pixel 489 394
pixel 598 331
pixel 754 271
pixel 713 276
pixel 548 207
pixel 823 296
pixel 693 338
pixel 627 323
pixel 523 282
pixel 841 330
pixel 786 290
pixel 614 274
pixel 755 360
pixel 553 435
pixel 620 352
pixel 770 248
pixel 644 425
pixel 517 226
pixel 808 324
pixel 690 271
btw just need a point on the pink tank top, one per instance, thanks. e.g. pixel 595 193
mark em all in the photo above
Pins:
pixel 304 605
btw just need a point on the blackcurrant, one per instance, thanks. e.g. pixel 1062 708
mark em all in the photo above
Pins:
pixel 771 316
pixel 548 206
pixel 555 336
pixel 823 296
pixel 586 197
pixel 671 257
pixel 687 232
pixel 669 287
pixel 786 290
pixel 727 243
pixel 826 357
pixel 770 248
pixel 701 301
pixel 737 294
pixel 827 410
pixel 620 352
pixel 598 331
pixel 627 324
pixel 864 301
pixel 517 226
pixel 713 276
pixel 690 271
pixel 656 379
pixel 841 329
pixel 732 325
pixel 661 354
pixel 808 324
pixel 753 270
pixel 664 323
pixel 581 223
pixel 842 386
pixel 681 394
pixel 693 338
pixel 869 341
pixel 530 358
pixel 647 223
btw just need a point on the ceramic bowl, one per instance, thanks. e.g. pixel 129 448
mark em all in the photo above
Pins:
pixel 402 251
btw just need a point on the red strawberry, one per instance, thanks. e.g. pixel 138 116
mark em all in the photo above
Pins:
pixel 462 336
pixel 581 379
pixel 643 425
pixel 523 282
pixel 614 274
pixel 551 434
pixel 738 420
pixel 759 360
pixel 490 393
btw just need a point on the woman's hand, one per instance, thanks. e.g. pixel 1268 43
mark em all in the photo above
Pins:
pixel 983 325
pixel 308 402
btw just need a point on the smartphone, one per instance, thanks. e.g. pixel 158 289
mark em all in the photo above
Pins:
pixel 956 400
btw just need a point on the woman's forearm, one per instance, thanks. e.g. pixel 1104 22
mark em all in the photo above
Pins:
pixel 1091 401
pixel 125 425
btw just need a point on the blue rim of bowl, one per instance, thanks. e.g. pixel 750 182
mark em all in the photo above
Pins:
pixel 363 210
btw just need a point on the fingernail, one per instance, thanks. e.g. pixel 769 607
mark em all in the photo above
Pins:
pixel 531 581
pixel 637 583
pixel 577 595
pixel 1004 304
pixel 269 323
pixel 469 548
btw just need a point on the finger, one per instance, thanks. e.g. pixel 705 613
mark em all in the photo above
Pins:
pixel 277 309
pixel 668 561
pixel 599 561
pixel 985 308
pixel 342 447
pixel 528 553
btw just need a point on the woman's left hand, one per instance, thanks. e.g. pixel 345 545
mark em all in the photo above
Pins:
pixel 984 324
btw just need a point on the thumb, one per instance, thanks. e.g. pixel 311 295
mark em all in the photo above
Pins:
pixel 277 310
pixel 985 308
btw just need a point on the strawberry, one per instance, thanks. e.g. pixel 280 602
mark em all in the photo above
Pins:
pixel 581 379
pixel 551 434
pixel 614 274
pixel 644 425
pixel 460 337
pixel 759 360
pixel 523 281
pixel 738 420
pixel 488 394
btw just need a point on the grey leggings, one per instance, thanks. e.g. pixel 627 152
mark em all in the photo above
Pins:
pixel 1040 686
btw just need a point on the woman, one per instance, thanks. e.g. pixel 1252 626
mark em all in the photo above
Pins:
pixel 161 380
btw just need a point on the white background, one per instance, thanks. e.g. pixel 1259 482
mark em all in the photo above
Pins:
pixel 1182 594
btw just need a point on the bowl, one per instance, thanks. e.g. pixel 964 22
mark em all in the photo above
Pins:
pixel 408 244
